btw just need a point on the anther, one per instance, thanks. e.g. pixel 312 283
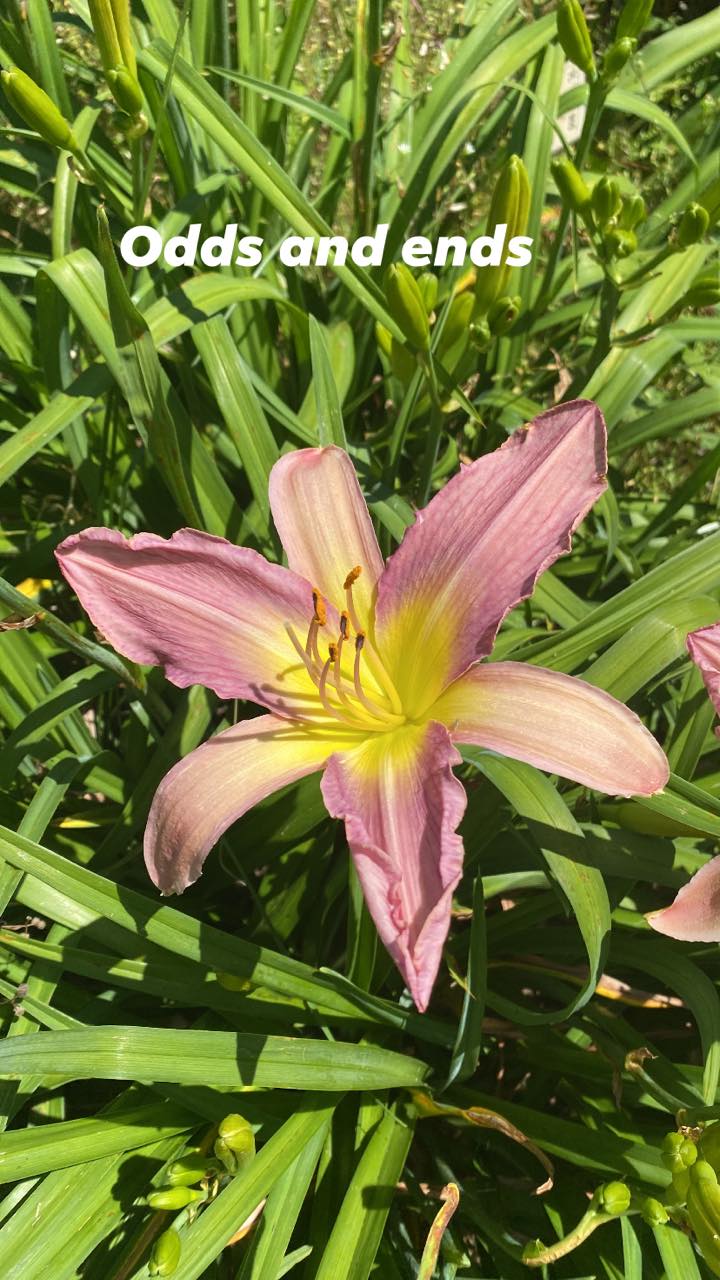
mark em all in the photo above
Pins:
pixel 319 608
pixel 359 640
pixel 352 577
pixel 344 623
pixel 332 652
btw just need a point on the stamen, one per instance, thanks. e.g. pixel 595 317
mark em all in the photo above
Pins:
pixel 375 710
pixel 331 710
pixel 375 663
pixel 352 577
pixel 319 608
pixel 311 645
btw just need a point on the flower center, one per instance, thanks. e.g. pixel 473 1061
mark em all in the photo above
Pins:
pixel 338 677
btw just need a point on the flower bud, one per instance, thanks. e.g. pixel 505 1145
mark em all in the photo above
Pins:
pixel 693 225
pixel 402 362
pixel 173 1198
pixel 111 24
pixel 428 286
pixel 574 191
pixel 384 341
pixel 606 200
pixel 677 1152
pixel 235 1143
pixel 125 90
pixel 189 1169
pixel 703 1203
pixel 616 56
pixel 633 19
pixel 456 322
pixel 406 305
pixel 480 335
pixel 653 1212
pixel 620 243
pixel 614 1198
pixel 510 206
pixel 633 211
pixel 38 110
pixel 709 1145
pixel 704 291
pixel 574 36
pixel 165 1254
pixel 503 314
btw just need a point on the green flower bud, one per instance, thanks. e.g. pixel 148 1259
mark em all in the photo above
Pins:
pixel 709 1145
pixel 456 322
pixel 703 1205
pixel 606 200
pixel 574 36
pixel 165 1254
pixel 503 314
pixel 633 19
pixel 402 362
pixel 616 56
pixel 634 210
pixel 406 305
pixel 189 1169
pixel 614 1198
pixel 173 1198
pixel 704 291
pixel 510 206
pixel 384 339
pixel 688 1153
pixel 125 90
pixel 620 243
pixel 38 110
pixel 574 191
pixel 693 225
pixel 480 334
pixel 428 286
pixel 533 1249
pixel 653 1212
pixel 237 1132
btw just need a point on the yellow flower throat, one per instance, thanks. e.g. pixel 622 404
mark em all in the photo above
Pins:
pixel 338 678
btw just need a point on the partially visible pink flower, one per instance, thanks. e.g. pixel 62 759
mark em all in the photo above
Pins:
pixel 694 914
pixel 379 707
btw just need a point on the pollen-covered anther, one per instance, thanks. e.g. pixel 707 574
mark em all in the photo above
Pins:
pixel 344 623
pixel 359 640
pixel 332 652
pixel 352 577
pixel 320 611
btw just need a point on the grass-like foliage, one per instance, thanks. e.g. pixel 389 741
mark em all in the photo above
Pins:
pixel 169 1065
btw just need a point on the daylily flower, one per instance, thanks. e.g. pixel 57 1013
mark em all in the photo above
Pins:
pixel 370 671
pixel 694 914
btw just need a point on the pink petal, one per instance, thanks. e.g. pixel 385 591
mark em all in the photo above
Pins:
pixel 402 805
pixel 324 524
pixel 704 649
pixel 556 722
pixel 216 784
pixel 208 612
pixel 694 915
pixel 480 546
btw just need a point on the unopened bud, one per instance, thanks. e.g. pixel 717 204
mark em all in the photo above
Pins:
pixel 503 314
pixel 125 90
pixel 165 1254
pixel 456 322
pixel 509 206
pixel 189 1169
pixel 606 200
pixel 406 305
pixel 614 1198
pixel 704 291
pixel 574 36
pixel 634 210
pixel 620 243
pixel 173 1198
pixel 653 1212
pixel 428 286
pixel 402 362
pixel 617 55
pixel 235 1143
pixel 693 225
pixel 480 334
pixel 38 110
pixel 633 19
pixel 574 191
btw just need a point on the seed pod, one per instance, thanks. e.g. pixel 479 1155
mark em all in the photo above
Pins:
pixel 616 56
pixel 406 305
pixel 606 200
pixel 704 291
pixel 173 1198
pixel 510 206
pixel 620 243
pixel 653 1212
pixel 574 191
pixel 633 19
pixel 456 322
pixel 614 1198
pixel 693 225
pixel 633 211
pixel 703 1205
pixel 38 110
pixel 189 1169
pixel 165 1254
pixel 428 286
pixel 574 36
pixel 503 314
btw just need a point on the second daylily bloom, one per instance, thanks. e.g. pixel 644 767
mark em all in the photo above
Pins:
pixel 370 671
pixel 694 915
